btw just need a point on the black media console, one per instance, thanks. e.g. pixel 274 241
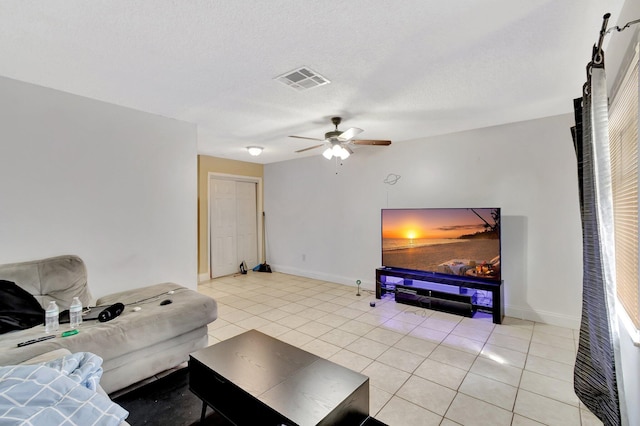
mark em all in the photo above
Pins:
pixel 453 294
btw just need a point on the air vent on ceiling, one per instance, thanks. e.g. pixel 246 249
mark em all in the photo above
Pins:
pixel 302 79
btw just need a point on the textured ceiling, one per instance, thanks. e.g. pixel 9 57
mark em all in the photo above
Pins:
pixel 400 70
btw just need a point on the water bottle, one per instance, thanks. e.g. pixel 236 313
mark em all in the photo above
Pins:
pixel 51 323
pixel 75 313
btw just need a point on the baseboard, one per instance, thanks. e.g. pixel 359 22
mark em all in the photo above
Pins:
pixel 546 317
pixel 203 277
pixel 337 279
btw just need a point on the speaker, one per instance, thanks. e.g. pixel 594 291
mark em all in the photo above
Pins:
pixel 111 312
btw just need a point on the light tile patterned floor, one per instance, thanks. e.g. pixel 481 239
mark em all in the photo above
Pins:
pixel 424 367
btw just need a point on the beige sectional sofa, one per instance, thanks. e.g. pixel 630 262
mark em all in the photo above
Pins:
pixel 135 345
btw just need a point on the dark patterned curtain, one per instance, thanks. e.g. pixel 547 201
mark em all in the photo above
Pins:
pixel 595 380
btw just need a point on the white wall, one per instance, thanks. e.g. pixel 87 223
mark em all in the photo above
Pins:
pixel 110 184
pixel 528 169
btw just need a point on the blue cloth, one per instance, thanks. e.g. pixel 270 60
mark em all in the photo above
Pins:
pixel 59 392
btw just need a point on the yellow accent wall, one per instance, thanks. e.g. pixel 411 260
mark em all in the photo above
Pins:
pixel 208 165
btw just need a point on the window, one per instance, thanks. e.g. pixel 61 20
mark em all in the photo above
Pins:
pixel 623 139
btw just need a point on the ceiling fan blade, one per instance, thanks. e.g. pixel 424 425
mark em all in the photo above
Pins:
pixel 311 147
pixel 371 142
pixel 304 137
pixel 349 133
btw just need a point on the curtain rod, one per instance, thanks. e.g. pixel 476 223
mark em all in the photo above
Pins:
pixel 597 56
pixel 627 25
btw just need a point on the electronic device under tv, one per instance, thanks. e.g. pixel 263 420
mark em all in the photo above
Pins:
pixel 447 242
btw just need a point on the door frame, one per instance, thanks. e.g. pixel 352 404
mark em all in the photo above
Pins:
pixel 236 178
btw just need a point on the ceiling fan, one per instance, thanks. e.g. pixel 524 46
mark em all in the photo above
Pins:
pixel 337 142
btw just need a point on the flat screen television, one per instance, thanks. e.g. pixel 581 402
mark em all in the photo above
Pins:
pixel 461 242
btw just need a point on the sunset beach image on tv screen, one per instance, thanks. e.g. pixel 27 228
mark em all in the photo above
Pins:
pixel 455 241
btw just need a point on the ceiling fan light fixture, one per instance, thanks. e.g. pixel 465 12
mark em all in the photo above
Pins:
pixel 344 154
pixel 337 143
pixel 255 150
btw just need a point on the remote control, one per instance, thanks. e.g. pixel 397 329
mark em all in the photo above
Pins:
pixel 39 339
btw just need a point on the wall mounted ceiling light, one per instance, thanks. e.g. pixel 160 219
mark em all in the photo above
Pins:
pixel 255 150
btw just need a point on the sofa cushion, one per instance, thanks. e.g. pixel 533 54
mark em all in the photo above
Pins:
pixel 154 323
pixel 18 308
pixel 58 278
pixel 48 356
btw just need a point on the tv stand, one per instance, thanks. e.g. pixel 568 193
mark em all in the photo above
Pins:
pixel 436 291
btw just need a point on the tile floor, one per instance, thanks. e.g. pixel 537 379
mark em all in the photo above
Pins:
pixel 425 367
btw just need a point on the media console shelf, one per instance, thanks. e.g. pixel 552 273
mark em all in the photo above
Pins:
pixel 445 293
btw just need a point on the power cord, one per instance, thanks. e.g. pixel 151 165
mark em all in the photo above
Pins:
pixel 170 292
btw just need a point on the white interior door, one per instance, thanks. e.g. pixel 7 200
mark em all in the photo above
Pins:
pixel 233 226
pixel 222 221
pixel 247 229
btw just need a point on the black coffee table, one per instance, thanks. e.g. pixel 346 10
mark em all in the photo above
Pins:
pixel 255 379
